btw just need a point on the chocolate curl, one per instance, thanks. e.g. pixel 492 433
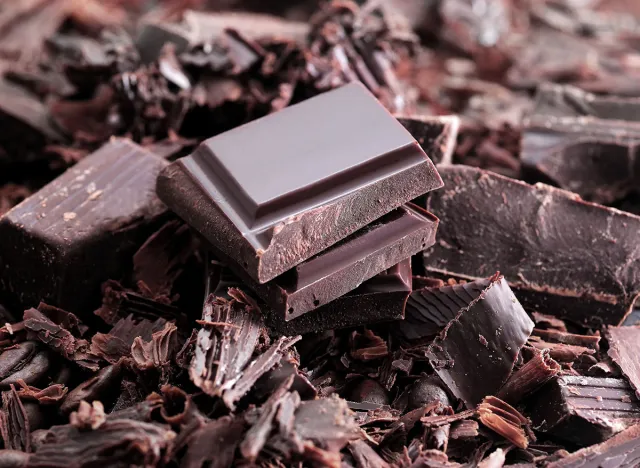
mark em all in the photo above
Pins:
pixel 530 377
pixel 505 420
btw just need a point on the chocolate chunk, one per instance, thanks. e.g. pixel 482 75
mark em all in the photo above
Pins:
pixel 380 299
pixel 624 349
pixel 346 265
pixel 620 451
pixel 546 242
pixel 426 391
pixel 584 143
pixel 55 241
pixel 584 410
pixel 369 391
pixel 436 135
pixel 483 329
pixel 319 190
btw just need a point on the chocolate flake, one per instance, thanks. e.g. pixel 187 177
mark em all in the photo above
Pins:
pixel 505 420
pixel 530 377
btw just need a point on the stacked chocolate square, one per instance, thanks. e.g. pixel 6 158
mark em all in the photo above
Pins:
pixel 311 206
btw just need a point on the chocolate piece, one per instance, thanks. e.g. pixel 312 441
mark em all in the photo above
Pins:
pixel 346 265
pixel 530 377
pixel 319 190
pixel 55 243
pixel 484 329
pixel 546 242
pixel 504 419
pixel 624 349
pixel 620 451
pixel 584 143
pixel 426 391
pixel 436 135
pixel 584 410
pixel 380 299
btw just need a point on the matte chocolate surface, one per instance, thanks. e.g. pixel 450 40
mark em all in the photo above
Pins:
pixel 584 410
pixel 547 243
pixel 346 265
pixel 482 329
pixel 61 243
pixel 584 143
pixel 275 192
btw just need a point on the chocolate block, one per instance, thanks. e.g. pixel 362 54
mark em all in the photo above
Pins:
pixel 379 299
pixel 584 143
pixel 584 410
pixel 624 349
pixel 482 329
pixel 276 191
pixel 83 228
pixel 560 254
pixel 346 265
pixel 436 135
pixel 621 451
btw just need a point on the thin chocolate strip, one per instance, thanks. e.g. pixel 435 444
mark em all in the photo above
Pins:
pixel 485 328
pixel 547 242
pixel 530 377
pixel 345 266
pixel 584 410
pixel 63 242
pixel 276 191
pixel 584 143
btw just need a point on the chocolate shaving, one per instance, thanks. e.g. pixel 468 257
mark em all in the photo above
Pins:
pixel 530 377
pixel 88 416
pixel 158 352
pixel 14 422
pixel 52 394
pixel 215 443
pixel 505 420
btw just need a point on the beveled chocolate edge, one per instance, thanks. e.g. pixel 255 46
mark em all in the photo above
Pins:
pixel 177 189
pixel 440 149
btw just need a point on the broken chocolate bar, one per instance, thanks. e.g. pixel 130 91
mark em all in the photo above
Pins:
pixel 379 299
pixel 436 135
pixel 63 242
pixel 584 143
pixel 584 410
pixel 276 191
pixel 344 266
pixel 546 242
pixel 624 349
pixel 620 451
pixel 482 328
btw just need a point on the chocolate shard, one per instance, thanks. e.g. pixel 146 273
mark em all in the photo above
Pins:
pixel 272 227
pixel 624 349
pixel 25 124
pixel 620 451
pixel 115 443
pixel 344 266
pixel 436 135
pixel 55 241
pixel 550 260
pixel 584 143
pixel 482 328
pixel 214 443
pixel 584 410
pixel 379 299
pixel 14 422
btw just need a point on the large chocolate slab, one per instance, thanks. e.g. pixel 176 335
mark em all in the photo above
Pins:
pixel 83 228
pixel 584 143
pixel 379 299
pixel 346 265
pixel 276 191
pixel 482 329
pixel 584 410
pixel 560 254
pixel 621 451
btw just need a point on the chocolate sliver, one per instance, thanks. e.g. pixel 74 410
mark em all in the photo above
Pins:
pixel 624 349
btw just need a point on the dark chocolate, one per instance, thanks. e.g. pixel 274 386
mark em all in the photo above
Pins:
pixel 276 191
pixel 584 410
pixel 624 349
pixel 436 135
pixel 547 243
pixel 346 265
pixel 63 242
pixel 620 451
pixel 483 327
pixel 584 143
